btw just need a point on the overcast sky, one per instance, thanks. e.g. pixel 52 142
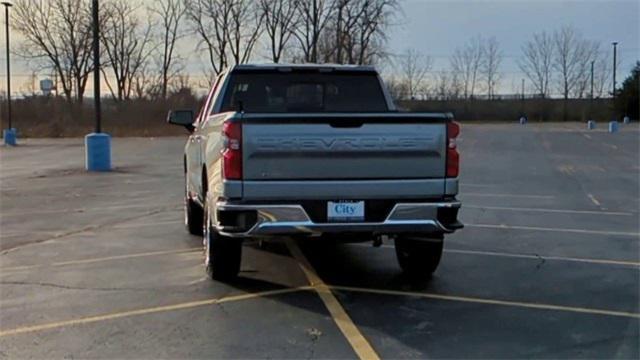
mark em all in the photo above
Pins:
pixel 437 27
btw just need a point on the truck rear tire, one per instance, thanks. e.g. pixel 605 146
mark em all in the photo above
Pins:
pixel 419 256
pixel 193 215
pixel 223 255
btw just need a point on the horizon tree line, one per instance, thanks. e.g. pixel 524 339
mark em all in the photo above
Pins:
pixel 143 53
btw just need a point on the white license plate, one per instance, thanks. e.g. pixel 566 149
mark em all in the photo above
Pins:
pixel 345 210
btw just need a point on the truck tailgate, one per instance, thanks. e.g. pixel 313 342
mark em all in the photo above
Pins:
pixel 348 147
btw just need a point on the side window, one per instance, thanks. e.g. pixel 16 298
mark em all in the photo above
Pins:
pixel 205 109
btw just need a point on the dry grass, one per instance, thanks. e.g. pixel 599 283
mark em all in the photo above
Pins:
pixel 55 117
pixel 511 110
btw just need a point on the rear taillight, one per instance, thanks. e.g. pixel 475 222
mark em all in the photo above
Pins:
pixel 453 158
pixel 232 150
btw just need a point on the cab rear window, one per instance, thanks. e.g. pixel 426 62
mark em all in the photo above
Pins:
pixel 304 91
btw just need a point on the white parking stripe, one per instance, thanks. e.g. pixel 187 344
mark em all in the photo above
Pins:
pixel 535 228
pixel 133 226
pixel 544 257
pixel 568 211
pixel 526 196
pixel 527 256
pixel 593 199
pixel 83 210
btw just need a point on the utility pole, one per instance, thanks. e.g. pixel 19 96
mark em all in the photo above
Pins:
pixel 591 97
pixel 522 97
pixel 96 65
pixel 615 60
pixel 97 144
pixel 523 116
pixel 9 134
pixel 592 62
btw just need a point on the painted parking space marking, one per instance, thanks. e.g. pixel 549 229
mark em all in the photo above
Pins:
pixel 593 199
pixel 567 211
pixel 544 257
pixel 101 259
pixel 535 228
pixel 77 210
pixel 525 196
pixel 158 223
pixel 478 300
pixel 477 185
pixel 528 256
pixel 147 311
pixel 358 342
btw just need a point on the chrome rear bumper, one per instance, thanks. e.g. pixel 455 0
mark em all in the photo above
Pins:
pixel 294 220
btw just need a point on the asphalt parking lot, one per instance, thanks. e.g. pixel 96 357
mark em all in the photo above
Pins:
pixel 548 266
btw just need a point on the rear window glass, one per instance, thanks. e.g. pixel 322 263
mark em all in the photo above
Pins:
pixel 308 91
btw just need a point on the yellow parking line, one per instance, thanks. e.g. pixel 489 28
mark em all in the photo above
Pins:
pixel 146 311
pixel 491 301
pixel 358 342
pixel 100 259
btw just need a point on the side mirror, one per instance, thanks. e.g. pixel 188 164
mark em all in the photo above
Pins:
pixel 182 118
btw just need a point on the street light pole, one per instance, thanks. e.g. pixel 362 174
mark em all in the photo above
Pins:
pixel 7 5
pixel 97 144
pixel 9 134
pixel 96 65
pixel 615 60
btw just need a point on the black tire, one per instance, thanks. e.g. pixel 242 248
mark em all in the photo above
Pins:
pixel 193 216
pixel 223 255
pixel 193 213
pixel 419 256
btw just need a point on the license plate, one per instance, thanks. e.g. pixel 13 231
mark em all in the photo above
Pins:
pixel 345 210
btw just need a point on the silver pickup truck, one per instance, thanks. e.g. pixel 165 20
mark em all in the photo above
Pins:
pixel 317 151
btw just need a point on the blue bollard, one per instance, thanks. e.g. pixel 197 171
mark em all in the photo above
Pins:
pixel 97 152
pixel 613 126
pixel 523 120
pixel 591 124
pixel 10 136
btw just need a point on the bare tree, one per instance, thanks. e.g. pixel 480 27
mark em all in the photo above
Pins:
pixel 126 43
pixel 442 86
pixel 246 24
pixel 57 32
pixel 572 57
pixel 280 22
pixel 144 83
pixel 466 62
pixel 170 13
pixel 414 68
pixel 356 31
pixel 492 58
pixel 537 60
pixel 211 21
pixel 591 50
pixel 312 16
pixel 228 29
pixel 602 74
